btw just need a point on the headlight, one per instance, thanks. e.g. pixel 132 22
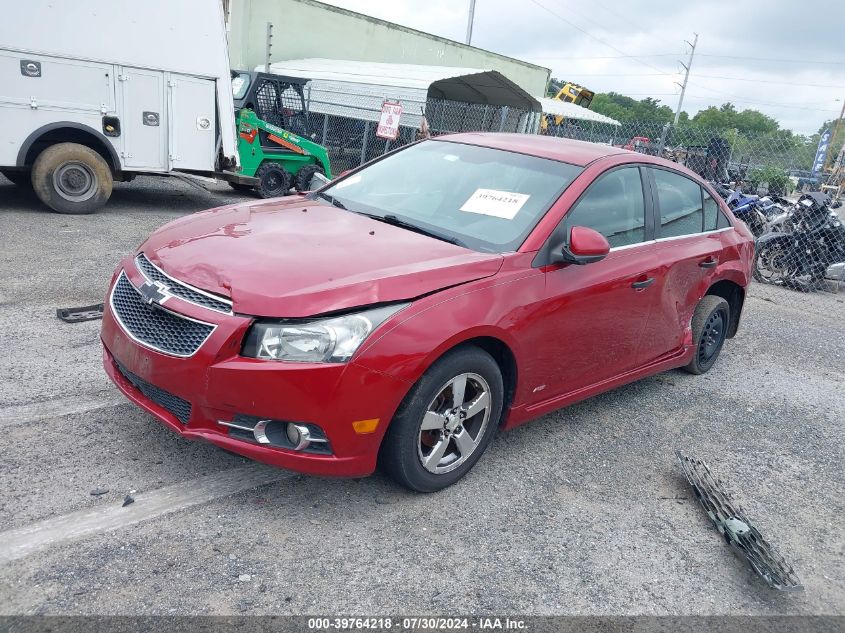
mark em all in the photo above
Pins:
pixel 331 340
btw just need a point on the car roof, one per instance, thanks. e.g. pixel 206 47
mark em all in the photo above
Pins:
pixel 565 150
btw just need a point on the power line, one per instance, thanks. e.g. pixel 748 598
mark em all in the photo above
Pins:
pixel 774 59
pixel 741 57
pixel 774 105
pixel 770 81
pixel 598 39
pixel 635 58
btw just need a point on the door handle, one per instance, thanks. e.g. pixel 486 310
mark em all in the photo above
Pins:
pixel 645 283
pixel 709 263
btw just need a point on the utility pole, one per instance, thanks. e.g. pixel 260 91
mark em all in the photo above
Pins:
pixel 268 47
pixel 469 21
pixel 686 66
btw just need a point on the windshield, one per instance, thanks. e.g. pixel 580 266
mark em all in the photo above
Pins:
pixel 486 199
pixel 240 84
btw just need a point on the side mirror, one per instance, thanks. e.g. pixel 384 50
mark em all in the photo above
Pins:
pixel 585 247
pixel 317 181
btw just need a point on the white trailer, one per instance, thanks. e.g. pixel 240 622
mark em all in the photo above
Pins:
pixel 101 90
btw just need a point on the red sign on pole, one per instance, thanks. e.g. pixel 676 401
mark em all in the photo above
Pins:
pixel 388 124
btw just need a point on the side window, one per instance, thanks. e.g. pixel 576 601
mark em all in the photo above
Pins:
pixel 613 206
pixel 711 212
pixel 679 198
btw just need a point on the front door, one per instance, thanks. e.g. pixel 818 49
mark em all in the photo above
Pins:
pixel 595 314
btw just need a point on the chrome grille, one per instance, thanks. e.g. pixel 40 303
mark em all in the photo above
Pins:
pixel 181 409
pixel 181 289
pixel 153 326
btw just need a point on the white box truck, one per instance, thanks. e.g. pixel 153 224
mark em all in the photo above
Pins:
pixel 101 90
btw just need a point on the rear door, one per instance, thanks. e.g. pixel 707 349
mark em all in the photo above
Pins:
pixel 687 248
pixel 595 314
pixel 143 119
pixel 193 122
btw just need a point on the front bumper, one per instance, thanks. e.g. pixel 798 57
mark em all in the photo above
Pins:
pixel 218 384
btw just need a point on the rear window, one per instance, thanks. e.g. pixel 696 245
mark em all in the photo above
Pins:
pixel 711 212
pixel 679 199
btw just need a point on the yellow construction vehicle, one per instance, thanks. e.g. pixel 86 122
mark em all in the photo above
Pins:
pixel 569 93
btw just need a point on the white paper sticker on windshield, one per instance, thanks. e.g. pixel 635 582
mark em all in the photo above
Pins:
pixel 499 204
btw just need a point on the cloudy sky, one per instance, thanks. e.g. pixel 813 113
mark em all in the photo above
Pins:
pixel 782 57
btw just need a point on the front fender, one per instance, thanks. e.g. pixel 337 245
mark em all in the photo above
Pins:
pixel 492 308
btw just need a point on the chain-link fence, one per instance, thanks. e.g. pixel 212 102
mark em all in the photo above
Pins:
pixel 763 177
pixel 346 125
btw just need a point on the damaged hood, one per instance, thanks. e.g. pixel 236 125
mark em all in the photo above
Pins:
pixel 298 258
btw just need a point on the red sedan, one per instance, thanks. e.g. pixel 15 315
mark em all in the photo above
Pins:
pixel 404 312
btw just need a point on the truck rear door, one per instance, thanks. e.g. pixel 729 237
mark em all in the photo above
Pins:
pixel 193 122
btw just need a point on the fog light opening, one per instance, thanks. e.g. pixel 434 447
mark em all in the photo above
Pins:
pixel 299 436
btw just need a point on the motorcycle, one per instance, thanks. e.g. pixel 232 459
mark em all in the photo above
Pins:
pixel 755 211
pixel 810 248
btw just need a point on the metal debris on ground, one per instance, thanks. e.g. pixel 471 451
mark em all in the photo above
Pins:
pixel 85 313
pixel 98 492
pixel 735 527
pixel 127 500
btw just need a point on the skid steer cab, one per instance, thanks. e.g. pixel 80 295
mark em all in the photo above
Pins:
pixel 274 137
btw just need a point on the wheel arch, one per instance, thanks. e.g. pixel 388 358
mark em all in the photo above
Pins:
pixel 734 294
pixel 501 351
pixel 67 132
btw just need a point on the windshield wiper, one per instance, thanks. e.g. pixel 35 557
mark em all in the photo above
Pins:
pixel 395 221
pixel 334 201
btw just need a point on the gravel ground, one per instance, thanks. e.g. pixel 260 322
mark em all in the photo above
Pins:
pixel 581 512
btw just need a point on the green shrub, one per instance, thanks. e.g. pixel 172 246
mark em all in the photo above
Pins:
pixel 778 182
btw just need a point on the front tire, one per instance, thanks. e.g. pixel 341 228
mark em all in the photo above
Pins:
pixel 302 180
pixel 446 421
pixel 71 178
pixel 273 181
pixel 709 330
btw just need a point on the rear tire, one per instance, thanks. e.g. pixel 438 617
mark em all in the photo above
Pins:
pixel 302 180
pixel 273 181
pixel 709 330
pixel 431 443
pixel 22 179
pixel 71 178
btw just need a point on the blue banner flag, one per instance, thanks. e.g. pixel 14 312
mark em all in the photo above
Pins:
pixel 821 153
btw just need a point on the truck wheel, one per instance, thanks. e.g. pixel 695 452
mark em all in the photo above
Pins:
pixel 273 181
pixel 20 178
pixel 71 178
pixel 302 180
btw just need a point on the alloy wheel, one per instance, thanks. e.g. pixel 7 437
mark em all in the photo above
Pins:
pixel 454 423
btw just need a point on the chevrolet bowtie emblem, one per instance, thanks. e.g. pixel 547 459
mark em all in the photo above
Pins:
pixel 154 292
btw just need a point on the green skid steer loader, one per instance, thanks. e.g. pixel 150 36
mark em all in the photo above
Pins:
pixel 273 127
